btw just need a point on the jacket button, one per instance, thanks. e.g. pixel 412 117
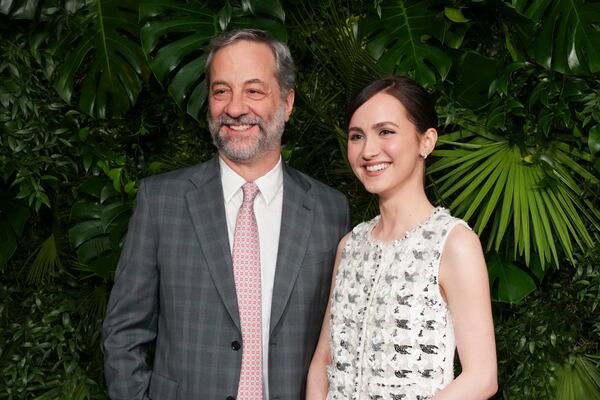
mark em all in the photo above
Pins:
pixel 230 398
pixel 236 346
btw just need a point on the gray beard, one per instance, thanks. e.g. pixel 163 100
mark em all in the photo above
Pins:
pixel 268 139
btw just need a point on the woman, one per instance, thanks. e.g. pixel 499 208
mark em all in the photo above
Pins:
pixel 410 286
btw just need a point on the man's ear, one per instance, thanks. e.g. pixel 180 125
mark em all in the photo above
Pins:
pixel 289 103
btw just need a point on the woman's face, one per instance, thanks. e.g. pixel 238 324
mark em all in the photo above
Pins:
pixel 384 147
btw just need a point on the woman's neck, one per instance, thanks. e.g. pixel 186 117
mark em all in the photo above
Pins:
pixel 400 213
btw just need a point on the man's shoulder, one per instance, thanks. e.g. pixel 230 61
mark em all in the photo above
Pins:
pixel 180 179
pixel 313 185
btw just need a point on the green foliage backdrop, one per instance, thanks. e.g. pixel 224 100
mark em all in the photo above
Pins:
pixel 97 94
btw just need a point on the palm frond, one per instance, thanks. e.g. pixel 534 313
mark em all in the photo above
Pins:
pixel 578 379
pixel 46 262
pixel 500 189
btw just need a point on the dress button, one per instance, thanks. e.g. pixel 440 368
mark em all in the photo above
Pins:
pixel 235 345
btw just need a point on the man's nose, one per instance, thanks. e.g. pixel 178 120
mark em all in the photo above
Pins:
pixel 237 106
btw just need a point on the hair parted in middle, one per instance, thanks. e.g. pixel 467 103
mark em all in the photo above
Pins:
pixel 416 100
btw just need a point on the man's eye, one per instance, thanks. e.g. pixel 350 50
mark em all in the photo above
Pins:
pixel 220 93
pixel 255 94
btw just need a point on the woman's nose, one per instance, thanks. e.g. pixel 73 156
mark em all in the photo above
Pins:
pixel 371 148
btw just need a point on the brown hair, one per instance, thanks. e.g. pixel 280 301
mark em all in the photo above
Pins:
pixel 418 103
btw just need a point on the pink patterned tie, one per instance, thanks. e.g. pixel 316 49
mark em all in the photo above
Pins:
pixel 246 272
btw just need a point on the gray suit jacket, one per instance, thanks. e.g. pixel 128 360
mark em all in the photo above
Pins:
pixel 172 328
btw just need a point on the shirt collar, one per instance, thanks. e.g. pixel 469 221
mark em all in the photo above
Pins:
pixel 268 184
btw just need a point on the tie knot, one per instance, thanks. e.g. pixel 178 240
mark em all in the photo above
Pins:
pixel 250 191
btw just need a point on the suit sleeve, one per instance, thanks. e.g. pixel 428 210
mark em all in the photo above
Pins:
pixel 130 324
pixel 348 222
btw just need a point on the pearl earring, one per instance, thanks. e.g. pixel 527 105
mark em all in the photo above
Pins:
pixel 424 155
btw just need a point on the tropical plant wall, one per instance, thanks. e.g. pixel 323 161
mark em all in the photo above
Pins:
pixel 96 95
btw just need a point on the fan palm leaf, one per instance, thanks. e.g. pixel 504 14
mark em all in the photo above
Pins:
pixel 46 261
pixel 579 378
pixel 504 189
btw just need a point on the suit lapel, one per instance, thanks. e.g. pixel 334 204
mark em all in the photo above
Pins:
pixel 207 211
pixel 296 223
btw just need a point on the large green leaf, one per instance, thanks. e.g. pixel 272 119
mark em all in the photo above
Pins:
pixel 509 283
pixel 568 38
pixel 99 225
pixel 401 39
pixel 19 9
pixel 531 195
pixel 102 60
pixel 175 37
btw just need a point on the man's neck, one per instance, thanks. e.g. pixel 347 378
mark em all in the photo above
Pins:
pixel 252 170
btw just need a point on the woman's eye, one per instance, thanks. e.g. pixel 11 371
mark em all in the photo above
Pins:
pixel 386 132
pixel 355 136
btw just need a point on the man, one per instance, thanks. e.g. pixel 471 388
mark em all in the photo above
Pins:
pixel 227 265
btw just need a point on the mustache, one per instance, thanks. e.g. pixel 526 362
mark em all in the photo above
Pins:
pixel 225 119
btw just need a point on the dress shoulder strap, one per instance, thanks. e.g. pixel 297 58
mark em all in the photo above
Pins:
pixel 444 222
pixel 361 231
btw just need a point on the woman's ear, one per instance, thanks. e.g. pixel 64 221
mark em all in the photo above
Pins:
pixel 428 140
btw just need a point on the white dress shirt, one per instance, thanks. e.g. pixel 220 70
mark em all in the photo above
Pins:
pixel 267 209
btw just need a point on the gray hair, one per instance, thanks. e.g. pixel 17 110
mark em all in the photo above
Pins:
pixel 284 65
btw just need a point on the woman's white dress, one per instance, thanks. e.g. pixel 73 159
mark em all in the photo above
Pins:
pixel 391 330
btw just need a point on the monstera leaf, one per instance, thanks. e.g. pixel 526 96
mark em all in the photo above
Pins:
pixel 175 36
pixel 569 35
pixel 19 9
pixel 99 224
pixel 400 40
pixel 533 194
pixel 103 58
pixel 508 283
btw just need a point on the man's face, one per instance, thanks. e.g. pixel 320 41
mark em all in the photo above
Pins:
pixel 246 112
